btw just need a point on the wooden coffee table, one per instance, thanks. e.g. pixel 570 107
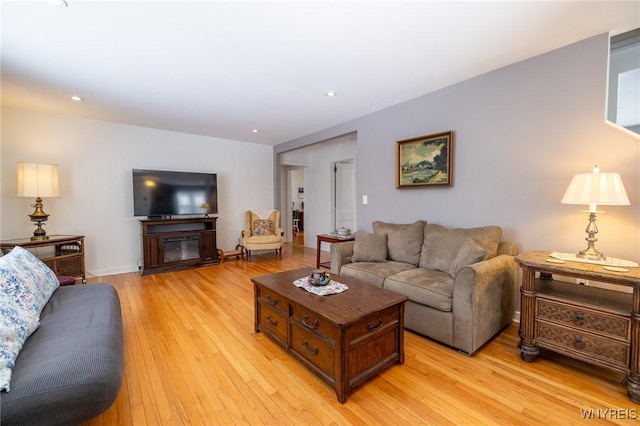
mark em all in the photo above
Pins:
pixel 344 338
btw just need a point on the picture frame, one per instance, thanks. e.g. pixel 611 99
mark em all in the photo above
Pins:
pixel 425 161
pixel 301 193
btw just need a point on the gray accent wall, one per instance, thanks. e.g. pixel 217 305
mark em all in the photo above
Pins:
pixel 520 134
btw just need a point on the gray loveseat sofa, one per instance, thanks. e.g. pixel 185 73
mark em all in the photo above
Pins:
pixel 70 369
pixel 461 283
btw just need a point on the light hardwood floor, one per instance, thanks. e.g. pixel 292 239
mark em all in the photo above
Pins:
pixel 192 357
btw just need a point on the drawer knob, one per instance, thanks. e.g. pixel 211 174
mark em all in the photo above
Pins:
pixel 313 325
pixel 577 319
pixel 273 322
pixel 271 301
pixel 313 351
pixel 578 343
pixel 374 326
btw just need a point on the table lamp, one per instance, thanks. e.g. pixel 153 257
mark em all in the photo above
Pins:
pixel 593 189
pixel 38 180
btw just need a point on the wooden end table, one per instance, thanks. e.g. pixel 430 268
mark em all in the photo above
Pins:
pixel 595 325
pixel 328 238
pixel 344 339
pixel 64 254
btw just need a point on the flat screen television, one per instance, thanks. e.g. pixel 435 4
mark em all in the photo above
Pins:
pixel 167 193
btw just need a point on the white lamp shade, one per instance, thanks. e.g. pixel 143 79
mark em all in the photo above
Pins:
pixel 596 188
pixel 38 180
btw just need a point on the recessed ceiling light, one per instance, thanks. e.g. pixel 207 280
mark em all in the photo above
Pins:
pixel 331 93
pixel 60 3
pixel 256 130
pixel 77 98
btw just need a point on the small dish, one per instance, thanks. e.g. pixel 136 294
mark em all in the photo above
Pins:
pixel 615 269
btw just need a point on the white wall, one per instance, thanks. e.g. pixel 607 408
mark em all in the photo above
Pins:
pixel 520 134
pixel 95 159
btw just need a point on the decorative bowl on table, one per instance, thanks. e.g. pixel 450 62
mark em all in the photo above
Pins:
pixel 319 278
pixel 343 232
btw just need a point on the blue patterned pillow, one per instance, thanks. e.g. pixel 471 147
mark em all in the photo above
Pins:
pixel 26 284
pixel 15 327
pixel 27 279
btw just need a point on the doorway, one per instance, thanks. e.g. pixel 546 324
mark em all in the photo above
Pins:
pixel 295 214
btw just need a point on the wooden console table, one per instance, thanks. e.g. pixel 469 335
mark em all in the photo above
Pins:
pixel 328 238
pixel 595 325
pixel 174 244
pixel 64 254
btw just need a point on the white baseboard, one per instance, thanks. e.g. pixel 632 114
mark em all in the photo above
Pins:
pixel 516 318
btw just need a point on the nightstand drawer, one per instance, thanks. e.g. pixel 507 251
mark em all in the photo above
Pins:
pixel 583 318
pixel 586 346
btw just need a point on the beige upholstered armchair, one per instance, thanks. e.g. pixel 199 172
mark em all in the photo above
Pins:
pixel 263 232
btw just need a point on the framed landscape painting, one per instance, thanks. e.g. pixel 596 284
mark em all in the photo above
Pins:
pixel 424 161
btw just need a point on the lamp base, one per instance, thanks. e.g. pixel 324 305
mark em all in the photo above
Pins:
pixel 39 233
pixel 39 217
pixel 591 254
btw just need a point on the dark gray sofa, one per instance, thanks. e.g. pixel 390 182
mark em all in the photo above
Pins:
pixel 70 369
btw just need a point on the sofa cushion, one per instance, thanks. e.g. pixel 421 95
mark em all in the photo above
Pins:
pixel 70 369
pixel 404 241
pixel 373 273
pixel 369 248
pixel 470 252
pixel 425 286
pixel 441 245
pixel 263 239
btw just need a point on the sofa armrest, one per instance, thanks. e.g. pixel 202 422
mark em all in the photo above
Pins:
pixel 483 301
pixel 341 254
pixel 280 232
pixel 245 233
pixel 508 247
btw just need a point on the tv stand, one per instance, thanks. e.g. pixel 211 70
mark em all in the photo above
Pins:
pixel 174 244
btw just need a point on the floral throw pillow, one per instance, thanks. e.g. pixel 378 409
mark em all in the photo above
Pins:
pixel 262 227
pixel 16 325
pixel 27 279
pixel 26 284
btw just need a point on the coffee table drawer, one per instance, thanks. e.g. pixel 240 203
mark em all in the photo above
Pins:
pixel 314 349
pixel 313 321
pixel 273 323
pixel 374 323
pixel 274 300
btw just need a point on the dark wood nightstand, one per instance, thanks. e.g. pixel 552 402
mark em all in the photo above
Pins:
pixel 64 254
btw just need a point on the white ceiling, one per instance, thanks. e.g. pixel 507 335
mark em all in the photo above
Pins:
pixel 223 68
